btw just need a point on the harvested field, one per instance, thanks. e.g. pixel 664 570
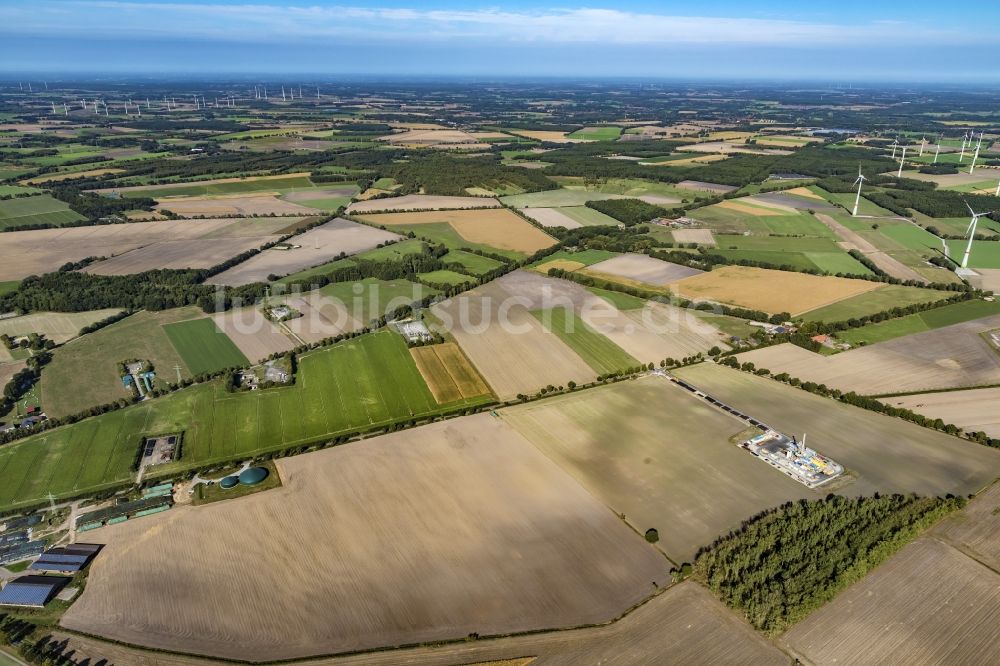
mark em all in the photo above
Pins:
pixel 40 251
pixel 949 357
pixel 448 374
pixel 699 236
pixel 215 185
pixel 652 451
pixel 974 410
pixel 976 529
pixel 883 260
pixel 509 346
pixel 659 200
pixel 495 228
pixel 881 453
pixel 748 209
pixel 643 268
pixel 322 317
pixel 56 326
pixel 562 197
pixel 551 217
pixel 452 528
pixel 422 202
pixel 769 290
pixel 10 368
pixel 929 604
pixel 238 204
pixel 322 193
pixel 805 192
pixel 255 336
pixel 316 246
pixel 706 187
pixel 176 255
pixel 430 137
pixel 789 201
pixel 683 625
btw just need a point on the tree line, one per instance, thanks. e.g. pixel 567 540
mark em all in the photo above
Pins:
pixel 782 564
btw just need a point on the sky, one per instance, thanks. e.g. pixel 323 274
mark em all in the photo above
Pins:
pixel 845 41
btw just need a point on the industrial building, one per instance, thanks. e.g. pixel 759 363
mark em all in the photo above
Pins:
pixel 70 559
pixel 793 458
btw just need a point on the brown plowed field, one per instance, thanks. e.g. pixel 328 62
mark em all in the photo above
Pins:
pixel 431 534
pixel 950 357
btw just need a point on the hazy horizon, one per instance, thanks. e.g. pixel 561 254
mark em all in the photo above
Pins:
pixel 853 42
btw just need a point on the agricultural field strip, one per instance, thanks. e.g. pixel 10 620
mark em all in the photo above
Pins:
pixel 882 259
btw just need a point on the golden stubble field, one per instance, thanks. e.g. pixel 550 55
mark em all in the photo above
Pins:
pixel 973 410
pixel 429 534
pixel 770 290
pixel 498 228
pixel 448 373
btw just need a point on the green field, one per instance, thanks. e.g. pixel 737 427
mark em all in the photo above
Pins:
pixel 85 373
pixel 365 382
pixel 985 254
pixel 621 301
pixel 36 210
pixel 884 298
pixel 445 277
pixel 17 189
pixel 597 134
pixel 370 298
pixel 729 221
pixel 586 257
pixel 955 313
pixel 235 187
pixel 846 200
pixel 804 252
pixel 473 264
pixel 7 287
pixel 204 347
pixel 388 253
pixel 330 204
pixel 602 355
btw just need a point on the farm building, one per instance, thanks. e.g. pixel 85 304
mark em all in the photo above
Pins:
pixel 122 512
pixel 67 560
pixel 31 591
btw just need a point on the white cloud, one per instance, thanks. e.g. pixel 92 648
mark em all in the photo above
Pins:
pixel 278 23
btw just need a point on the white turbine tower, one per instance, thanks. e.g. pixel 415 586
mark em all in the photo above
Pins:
pixel 857 200
pixel 923 142
pixel 975 156
pixel 895 144
pixel 965 139
pixel 972 233
pixel 282 93
pixel 901 161
pixel 937 150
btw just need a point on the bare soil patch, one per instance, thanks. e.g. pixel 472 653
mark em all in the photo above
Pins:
pixel 706 187
pixel 551 217
pixel 256 337
pixel 431 534
pixel 643 268
pixel 699 236
pixel 257 204
pixel 316 246
pixel 973 411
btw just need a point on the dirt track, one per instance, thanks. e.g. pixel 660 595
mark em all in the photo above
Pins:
pixel 886 262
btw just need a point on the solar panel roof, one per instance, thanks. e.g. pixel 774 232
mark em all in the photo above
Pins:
pixel 42 565
pixel 30 590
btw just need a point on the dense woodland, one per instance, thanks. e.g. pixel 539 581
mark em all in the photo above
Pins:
pixel 781 565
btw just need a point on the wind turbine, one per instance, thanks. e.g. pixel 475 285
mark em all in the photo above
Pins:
pixel 976 155
pixel 861 179
pixel 937 150
pixel 901 161
pixel 923 142
pixel 895 144
pixel 971 232
pixel 282 93
pixel 965 138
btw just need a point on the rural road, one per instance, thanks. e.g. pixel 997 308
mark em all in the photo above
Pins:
pixel 886 262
